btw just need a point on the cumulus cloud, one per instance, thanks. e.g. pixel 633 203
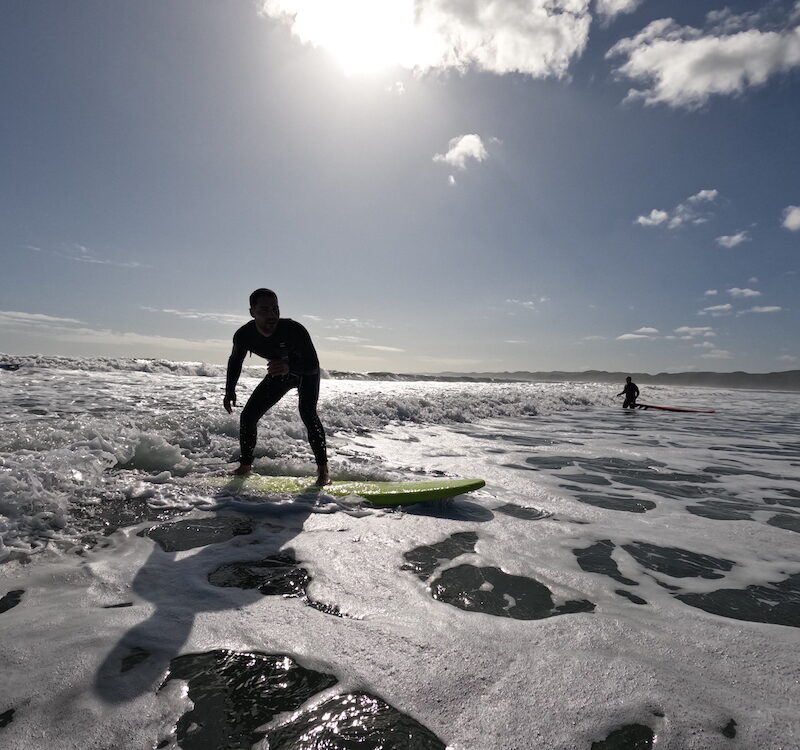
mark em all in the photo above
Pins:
pixel 632 336
pixel 737 292
pixel 791 218
pixel 732 240
pixel 690 211
pixel 461 149
pixel 710 292
pixel 763 309
pixel 788 358
pixel 539 38
pixel 682 66
pixel 610 8
pixel 654 219
pixel 646 330
pixel 703 195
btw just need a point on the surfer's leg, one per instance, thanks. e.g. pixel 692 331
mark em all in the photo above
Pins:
pixel 268 392
pixel 308 393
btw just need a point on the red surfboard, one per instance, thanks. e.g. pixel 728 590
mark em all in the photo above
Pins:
pixel 675 408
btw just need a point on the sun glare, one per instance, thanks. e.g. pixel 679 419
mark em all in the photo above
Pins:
pixel 366 37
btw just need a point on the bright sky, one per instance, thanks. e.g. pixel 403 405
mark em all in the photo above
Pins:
pixel 428 184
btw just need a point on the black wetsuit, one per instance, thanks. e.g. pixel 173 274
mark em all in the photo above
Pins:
pixel 631 392
pixel 291 343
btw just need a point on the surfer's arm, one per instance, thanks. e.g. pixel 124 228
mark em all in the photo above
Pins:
pixel 234 370
pixel 303 358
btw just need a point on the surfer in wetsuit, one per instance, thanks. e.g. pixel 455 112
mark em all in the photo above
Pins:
pixel 631 392
pixel 292 363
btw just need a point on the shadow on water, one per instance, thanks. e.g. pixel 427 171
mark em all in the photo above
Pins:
pixel 179 589
pixel 234 694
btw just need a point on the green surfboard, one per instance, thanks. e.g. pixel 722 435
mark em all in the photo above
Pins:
pixel 378 493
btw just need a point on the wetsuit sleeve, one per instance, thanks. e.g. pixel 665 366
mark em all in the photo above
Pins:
pixel 303 358
pixel 235 364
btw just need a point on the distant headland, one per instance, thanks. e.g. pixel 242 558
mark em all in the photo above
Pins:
pixel 787 380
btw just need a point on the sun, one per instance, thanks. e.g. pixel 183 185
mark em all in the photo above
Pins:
pixel 365 37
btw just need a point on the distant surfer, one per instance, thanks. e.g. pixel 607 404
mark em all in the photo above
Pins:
pixel 631 392
pixel 292 363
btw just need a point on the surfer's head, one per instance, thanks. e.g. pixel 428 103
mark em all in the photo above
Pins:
pixel 264 309
pixel 628 379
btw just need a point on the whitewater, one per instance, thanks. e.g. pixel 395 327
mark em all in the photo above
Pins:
pixel 625 580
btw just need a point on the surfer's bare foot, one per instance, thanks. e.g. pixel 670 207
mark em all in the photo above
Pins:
pixel 323 477
pixel 242 470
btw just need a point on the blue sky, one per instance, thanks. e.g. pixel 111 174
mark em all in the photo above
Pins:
pixel 516 185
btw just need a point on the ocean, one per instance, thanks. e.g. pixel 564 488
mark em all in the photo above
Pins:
pixel 623 581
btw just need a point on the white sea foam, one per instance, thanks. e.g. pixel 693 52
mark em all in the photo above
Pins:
pixel 80 441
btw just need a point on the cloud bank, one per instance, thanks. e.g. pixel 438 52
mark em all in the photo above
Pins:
pixel 539 38
pixel 682 66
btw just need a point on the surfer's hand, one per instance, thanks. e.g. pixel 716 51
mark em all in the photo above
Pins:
pixel 278 367
pixel 229 402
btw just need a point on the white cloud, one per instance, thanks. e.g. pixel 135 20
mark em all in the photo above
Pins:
pixel 593 338
pixel 529 304
pixel 74 331
pixel 631 337
pixel 695 331
pixel 451 180
pixel 737 292
pixel 732 240
pixel 382 348
pixel 710 292
pixel 514 341
pixel 716 310
pixel 654 219
pixel 682 66
pixel 646 330
pixel 357 323
pixel 10 318
pixel 460 149
pixel 791 218
pixel 703 195
pixel 82 254
pixel 688 212
pixel 717 354
pixel 224 318
pixel 611 8
pixel 764 309
pixel 788 358
pixel 539 38
pixel 346 339
pixel 704 345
